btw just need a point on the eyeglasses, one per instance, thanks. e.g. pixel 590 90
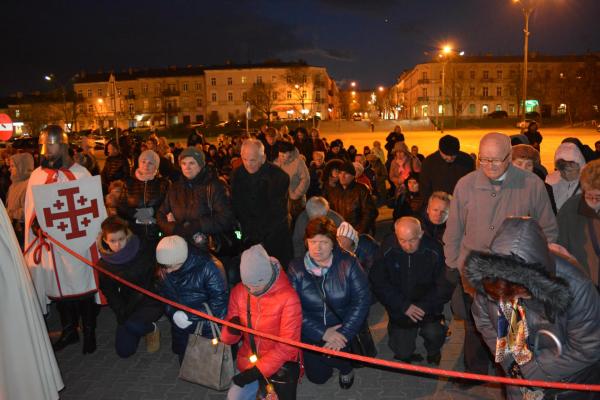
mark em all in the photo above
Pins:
pixel 592 198
pixel 488 161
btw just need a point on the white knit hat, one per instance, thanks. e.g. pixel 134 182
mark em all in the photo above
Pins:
pixel 255 266
pixel 172 250
pixel 347 230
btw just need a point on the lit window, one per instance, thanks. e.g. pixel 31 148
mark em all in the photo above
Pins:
pixel 485 109
pixel 244 79
pixel 498 107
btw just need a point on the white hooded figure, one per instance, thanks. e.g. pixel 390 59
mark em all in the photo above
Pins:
pixel 569 162
pixel 28 368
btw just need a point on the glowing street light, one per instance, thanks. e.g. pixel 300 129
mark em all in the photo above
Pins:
pixel 527 10
pixel 353 84
pixel 48 77
pixel 381 88
pixel 444 55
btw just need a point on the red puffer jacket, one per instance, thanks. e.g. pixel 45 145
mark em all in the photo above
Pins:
pixel 277 312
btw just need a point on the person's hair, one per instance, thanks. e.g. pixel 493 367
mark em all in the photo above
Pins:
pixel 590 176
pixel 526 152
pixel 445 197
pixel 257 144
pixel 271 132
pixel 401 146
pixel 315 130
pixel 321 226
pixel 114 224
pixel 317 206
pixel 501 289
pixel 330 166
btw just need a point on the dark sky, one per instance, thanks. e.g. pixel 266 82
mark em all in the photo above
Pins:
pixel 370 41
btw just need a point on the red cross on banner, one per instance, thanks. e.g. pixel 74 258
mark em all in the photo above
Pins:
pixel 71 212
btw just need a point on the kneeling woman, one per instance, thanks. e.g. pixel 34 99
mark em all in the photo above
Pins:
pixel 335 297
pixel 191 279
pixel 123 254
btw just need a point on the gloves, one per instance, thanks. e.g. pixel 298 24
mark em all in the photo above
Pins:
pixel 235 320
pixel 246 377
pixel 181 319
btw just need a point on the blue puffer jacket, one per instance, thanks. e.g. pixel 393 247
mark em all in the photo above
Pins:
pixel 201 279
pixel 346 289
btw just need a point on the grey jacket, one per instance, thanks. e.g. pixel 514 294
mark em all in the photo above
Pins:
pixel 296 168
pixel 477 211
pixel 563 301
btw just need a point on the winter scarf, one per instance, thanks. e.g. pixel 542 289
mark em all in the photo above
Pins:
pixel 512 333
pixel 145 177
pixel 125 255
pixel 312 267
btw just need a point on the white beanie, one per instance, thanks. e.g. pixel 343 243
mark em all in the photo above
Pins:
pixel 255 266
pixel 172 250
pixel 346 230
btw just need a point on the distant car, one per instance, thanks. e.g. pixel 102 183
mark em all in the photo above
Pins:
pixel 356 117
pixel 534 115
pixel 498 114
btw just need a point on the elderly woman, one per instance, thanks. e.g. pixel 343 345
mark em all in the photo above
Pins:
pixel 537 313
pixel 402 165
pixel 527 158
pixel 21 166
pixel 294 165
pixel 579 222
pixel 198 204
pixel 335 297
pixel 568 161
pixel 141 197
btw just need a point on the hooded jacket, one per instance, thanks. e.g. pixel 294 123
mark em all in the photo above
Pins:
pixel 563 301
pixel 563 190
pixel 276 312
pixel 15 199
pixel 296 169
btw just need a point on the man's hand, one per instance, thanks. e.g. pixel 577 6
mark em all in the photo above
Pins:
pixel 333 339
pixel 170 217
pixel 414 313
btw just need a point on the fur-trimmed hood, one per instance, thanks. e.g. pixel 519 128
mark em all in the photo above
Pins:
pixel 519 254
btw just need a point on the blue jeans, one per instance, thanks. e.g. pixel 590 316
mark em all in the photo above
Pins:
pixel 128 336
pixel 247 392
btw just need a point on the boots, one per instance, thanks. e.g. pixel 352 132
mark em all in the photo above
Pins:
pixel 87 308
pixel 69 316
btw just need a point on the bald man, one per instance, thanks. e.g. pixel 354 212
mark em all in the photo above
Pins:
pixel 407 279
pixel 482 200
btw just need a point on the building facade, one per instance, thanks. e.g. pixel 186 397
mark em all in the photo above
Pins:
pixel 477 86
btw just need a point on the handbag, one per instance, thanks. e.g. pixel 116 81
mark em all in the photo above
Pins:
pixel 226 243
pixel 205 362
pixel 362 343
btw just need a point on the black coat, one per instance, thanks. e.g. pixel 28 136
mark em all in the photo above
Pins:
pixel 201 279
pixel 194 212
pixel 115 168
pixel 400 279
pixel 260 203
pixel 355 204
pixel 125 301
pixel 138 194
pixel 438 175
pixel 346 289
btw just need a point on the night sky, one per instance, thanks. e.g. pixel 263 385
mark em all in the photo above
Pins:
pixel 370 41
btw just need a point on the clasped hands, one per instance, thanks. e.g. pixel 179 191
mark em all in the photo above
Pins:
pixel 333 339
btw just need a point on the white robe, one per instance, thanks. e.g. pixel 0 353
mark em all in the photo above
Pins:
pixel 28 368
pixel 74 277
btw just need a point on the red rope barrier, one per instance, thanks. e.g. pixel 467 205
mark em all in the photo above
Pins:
pixel 369 360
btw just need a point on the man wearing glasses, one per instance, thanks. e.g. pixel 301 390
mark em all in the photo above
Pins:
pixel 482 200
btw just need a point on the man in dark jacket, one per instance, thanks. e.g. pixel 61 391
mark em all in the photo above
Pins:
pixel 442 170
pixel 556 303
pixel 353 200
pixel 259 193
pixel 407 280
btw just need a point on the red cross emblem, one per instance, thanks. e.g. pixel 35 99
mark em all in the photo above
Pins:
pixel 71 213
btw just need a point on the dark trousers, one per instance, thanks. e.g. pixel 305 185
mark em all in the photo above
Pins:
pixel 129 334
pixel 284 381
pixel 477 355
pixel 402 340
pixel 319 368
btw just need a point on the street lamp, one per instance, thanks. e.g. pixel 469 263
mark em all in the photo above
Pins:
pixel 444 55
pixel 528 6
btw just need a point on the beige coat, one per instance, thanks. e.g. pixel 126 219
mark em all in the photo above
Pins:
pixel 477 210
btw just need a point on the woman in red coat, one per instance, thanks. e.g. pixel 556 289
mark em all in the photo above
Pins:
pixel 264 301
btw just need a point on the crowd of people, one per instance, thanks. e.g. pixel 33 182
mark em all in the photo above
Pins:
pixel 276 231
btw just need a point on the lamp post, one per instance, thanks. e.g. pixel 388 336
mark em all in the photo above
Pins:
pixel 447 50
pixel 527 10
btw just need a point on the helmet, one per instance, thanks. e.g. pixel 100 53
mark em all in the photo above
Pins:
pixel 50 135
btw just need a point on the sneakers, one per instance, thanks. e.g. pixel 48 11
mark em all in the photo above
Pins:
pixel 346 381
pixel 153 340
